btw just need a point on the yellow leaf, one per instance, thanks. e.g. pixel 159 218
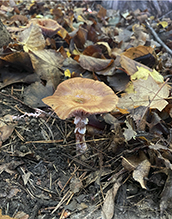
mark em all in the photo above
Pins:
pixel 67 73
pixel 130 88
pixel 164 24
pixel 62 33
pixel 146 92
pixel 80 18
pixel 143 73
pixel 135 52
pixel 68 53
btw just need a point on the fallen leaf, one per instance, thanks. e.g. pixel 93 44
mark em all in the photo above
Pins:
pixel 131 66
pixel 32 38
pixel 34 93
pixel 139 165
pixel 46 64
pixel 109 202
pixel 94 64
pixel 143 73
pixel 76 185
pixel 138 51
pixel 129 133
pixel 19 60
pixel 49 27
pixel 10 167
pixel 144 94
pixel 141 172
pixel 118 81
pixel 6 131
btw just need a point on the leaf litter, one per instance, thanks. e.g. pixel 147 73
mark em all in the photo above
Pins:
pixel 127 147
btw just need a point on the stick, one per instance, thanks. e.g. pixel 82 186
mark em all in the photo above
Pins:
pixel 158 39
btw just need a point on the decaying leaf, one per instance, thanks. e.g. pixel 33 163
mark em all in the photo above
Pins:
pixel 142 171
pixel 166 195
pixel 10 167
pixel 6 131
pixel 46 64
pixel 143 73
pixel 18 60
pixel 32 38
pixel 138 51
pixel 94 64
pixel 140 166
pixel 109 202
pixel 131 66
pixel 129 133
pixel 118 81
pixel 34 93
pixel 13 192
pixel 145 92
pixel 75 185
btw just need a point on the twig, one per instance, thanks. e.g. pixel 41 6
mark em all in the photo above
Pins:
pixel 158 39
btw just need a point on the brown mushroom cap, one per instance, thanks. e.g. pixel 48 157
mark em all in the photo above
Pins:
pixel 49 27
pixel 78 96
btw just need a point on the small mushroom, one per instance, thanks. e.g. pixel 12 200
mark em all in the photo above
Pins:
pixel 49 27
pixel 80 97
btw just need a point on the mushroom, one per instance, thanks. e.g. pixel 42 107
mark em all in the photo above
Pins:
pixel 49 27
pixel 80 97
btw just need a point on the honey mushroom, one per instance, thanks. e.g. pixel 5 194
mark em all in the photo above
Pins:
pixel 80 97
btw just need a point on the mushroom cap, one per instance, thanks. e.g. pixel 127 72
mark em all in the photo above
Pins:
pixel 49 27
pixel 81 96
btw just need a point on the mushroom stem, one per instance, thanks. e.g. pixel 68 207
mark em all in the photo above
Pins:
pixel 80 122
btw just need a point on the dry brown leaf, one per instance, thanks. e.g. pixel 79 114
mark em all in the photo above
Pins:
pixel 131 66
pixel 138 51
pixel 145 91
pixel 5 132
pixel 109 71
pixel 166 195
pixel 46 64
pixel 139 32
pixel 10 167
pixel 101 14
pixel 141 172
pixel 76 185
pixel 19 60
pixel 34 93
pixel 13 192
pixel 20 19
pixel 129 133
pixel 139 165
pixel 94 64
pixel 32 38
pixel 109 202
pixel 108 206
